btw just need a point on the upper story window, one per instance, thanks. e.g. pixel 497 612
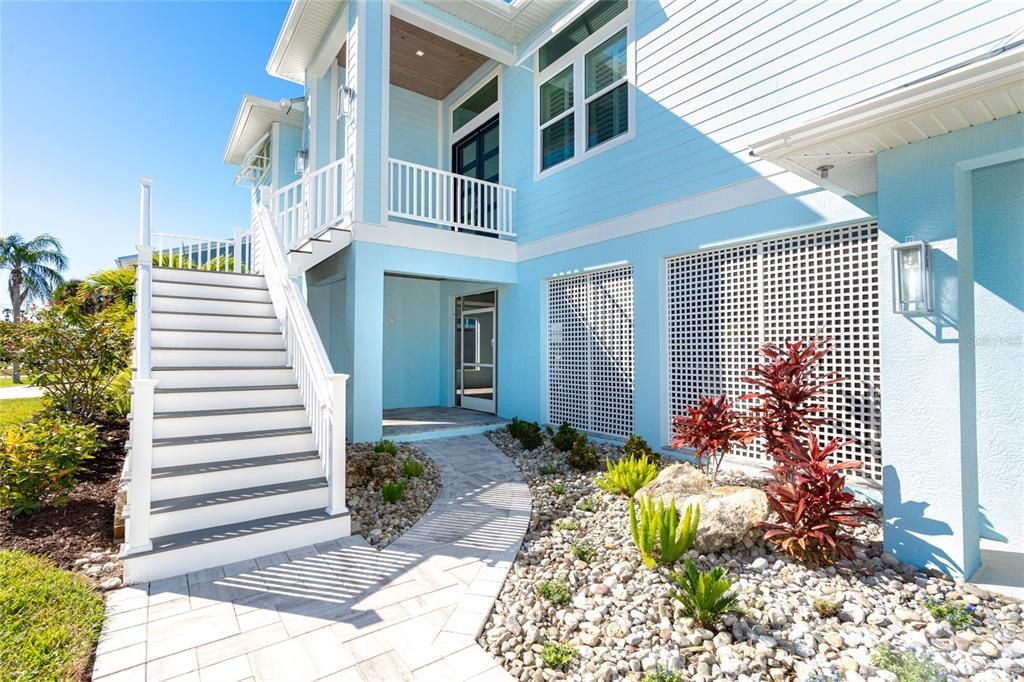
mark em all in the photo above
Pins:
pixel 478 105
pixel 584 98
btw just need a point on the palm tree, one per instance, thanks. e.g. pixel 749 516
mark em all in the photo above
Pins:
pixel 35 267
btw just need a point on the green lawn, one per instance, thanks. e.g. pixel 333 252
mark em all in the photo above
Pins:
pixel 18 410
pixel 6 381
pixel 50 620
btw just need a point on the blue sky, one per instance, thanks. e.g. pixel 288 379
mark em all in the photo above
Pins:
pixel 93 95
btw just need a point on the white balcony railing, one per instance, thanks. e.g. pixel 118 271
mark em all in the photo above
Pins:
pixel 446 199
pixel 312 204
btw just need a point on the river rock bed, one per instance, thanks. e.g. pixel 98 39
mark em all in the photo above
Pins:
pixel 623 624
pixel 380 522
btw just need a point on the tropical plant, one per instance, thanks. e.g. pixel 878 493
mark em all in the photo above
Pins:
pixel 636 447
pixel 412 468
pixel 958 614
pixel 76 359
pixel 527 433
pixel 812 503
pixel 117 284
pixel 555 591
pixel 222 264
pixel 558 655
pixel 386 446
pixel 704 595
pixel 659 533
pixel 168 259
pixel 564 438
pixel 119 397
pixel 907 666
pixel 392 491
pixel 583 551
pixel 35 267
pixel 712 429
pixel 626 476
pixel 790 385
pixel 39 461
pixel 586 504
pixel 583 456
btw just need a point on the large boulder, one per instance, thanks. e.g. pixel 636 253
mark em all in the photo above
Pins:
pixel 728 514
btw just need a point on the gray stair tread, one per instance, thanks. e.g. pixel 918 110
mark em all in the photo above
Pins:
pixel 212 331
pixel 181 312
pixel 212 284
pixel 227 412
pixel 221 348
pixel 222 389
pixel 164 268
pixel 195 368
pixel 241 494
pixel 221 437
pixel 208 298
pixel 234 464
pixel 236 530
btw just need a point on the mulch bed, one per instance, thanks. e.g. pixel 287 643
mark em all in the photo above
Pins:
pixel 86 523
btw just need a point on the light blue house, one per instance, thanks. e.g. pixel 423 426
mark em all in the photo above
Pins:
pixel 594 211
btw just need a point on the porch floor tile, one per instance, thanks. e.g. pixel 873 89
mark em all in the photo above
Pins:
pixel 422 420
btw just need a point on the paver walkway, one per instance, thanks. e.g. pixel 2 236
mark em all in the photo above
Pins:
pixel 12 392
pixel 340 611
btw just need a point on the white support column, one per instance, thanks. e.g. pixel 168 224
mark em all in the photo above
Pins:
pixel 145 277
pixel 336 465
pixel 140 492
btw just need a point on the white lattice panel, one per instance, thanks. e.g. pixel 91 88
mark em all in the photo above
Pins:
pixel 723 304
pixel 590 351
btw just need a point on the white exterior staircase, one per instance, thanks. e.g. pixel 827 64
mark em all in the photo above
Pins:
pixel 230 459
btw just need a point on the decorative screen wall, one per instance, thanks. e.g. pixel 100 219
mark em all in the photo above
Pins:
pixel 590 351
pixel 724 304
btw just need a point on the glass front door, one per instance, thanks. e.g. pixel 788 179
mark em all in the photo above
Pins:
pixel 476 156
pixel 476 322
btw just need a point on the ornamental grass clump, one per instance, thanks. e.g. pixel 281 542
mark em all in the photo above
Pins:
pixel 659 533
pixel 712 429
pixel 392 491
pixel 412 468
pixel 565 437
pixel 627 476
pixel 386 446
pixel 583 456
pixel 527 433
pixel 704 595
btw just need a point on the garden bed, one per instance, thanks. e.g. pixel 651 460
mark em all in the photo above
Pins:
pixel 80 534
pixel 379 521
pixel 798 622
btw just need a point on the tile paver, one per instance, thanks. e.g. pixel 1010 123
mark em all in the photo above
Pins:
pixel 342 610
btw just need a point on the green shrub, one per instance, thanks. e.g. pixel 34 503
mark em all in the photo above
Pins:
pixel 583 455
pixel 586 504
pixel 527 433
pixel 557 489
pixel 566 524
pixel 555 591
pixel 412 468
pixel 658 532
pixel 583 551
pixel 558 655
pixel 636 447
pixel 660 674
pixel 119 397
pixel 704 595
pixel 392 491
pixel 49 620
pixel 907 665
pixel 39 461
pixel 386 446
pixel 627 476
pixel 959 615
pixel 826 608
pixel 548 470
pixel 565 437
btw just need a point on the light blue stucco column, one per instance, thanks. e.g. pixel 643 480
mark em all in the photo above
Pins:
pixel 364 302
pixel 366 67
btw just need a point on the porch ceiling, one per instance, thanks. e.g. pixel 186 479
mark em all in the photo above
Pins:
pixel 438 70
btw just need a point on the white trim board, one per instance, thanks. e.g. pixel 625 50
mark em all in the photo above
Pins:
pixel 393 233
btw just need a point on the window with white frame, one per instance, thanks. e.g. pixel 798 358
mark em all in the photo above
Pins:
pixel 584 98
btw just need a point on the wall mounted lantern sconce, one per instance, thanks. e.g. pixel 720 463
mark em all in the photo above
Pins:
pixel 301 158
pixel 912 278
pixel 346 97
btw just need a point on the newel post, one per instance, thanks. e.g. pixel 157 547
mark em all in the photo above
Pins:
pixel 237 260
pixel 336 464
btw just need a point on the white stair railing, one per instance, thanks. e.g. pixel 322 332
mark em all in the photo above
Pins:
pixel 323 391
pixel 312 204
pixel 431 195
pixel 189 252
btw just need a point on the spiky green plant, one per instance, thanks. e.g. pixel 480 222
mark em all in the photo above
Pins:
pixel 392 491
pixel 412 468
pixel 114 283
pixel 704 595
pixel 386 446
pixel 659 533
pixel 627 476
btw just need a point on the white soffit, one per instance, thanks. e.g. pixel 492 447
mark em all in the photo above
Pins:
pixel 254 118
pixel 304 28
pixel 979 92
pixel 511 21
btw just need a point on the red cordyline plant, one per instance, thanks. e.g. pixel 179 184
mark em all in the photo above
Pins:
pixel 711 428
pixel 812 503
pixel 790 385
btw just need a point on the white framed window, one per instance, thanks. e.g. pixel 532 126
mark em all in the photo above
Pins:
pixel 476 107
pixel 584 99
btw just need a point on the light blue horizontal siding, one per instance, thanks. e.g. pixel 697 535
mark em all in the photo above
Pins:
pixel 413 127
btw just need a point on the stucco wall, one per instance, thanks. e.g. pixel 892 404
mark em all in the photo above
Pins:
pixel 412 339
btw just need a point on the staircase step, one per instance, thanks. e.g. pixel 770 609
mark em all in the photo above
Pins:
pixel 180 553
pixel 181 450
pixel 216 322
pixel 224 291
pixel 173 356
pixel 232 420
pixel 216 338
pixel 211 305
pixel 190 377
pixel 236 279
pixel 225 397
pixel 210 477
pixel 195 512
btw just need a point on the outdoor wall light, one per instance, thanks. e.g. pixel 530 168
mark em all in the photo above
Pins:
pixel 346 96
pixel 301 157
pixel 912 278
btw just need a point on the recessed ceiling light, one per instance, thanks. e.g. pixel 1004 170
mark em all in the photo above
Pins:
pixel 419 53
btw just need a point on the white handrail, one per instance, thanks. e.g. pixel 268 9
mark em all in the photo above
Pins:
pixel 322 390
pixel 312 204
pixel 190 252
pixel 430 195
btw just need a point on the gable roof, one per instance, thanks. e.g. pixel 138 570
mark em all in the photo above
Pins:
pixel 254 118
